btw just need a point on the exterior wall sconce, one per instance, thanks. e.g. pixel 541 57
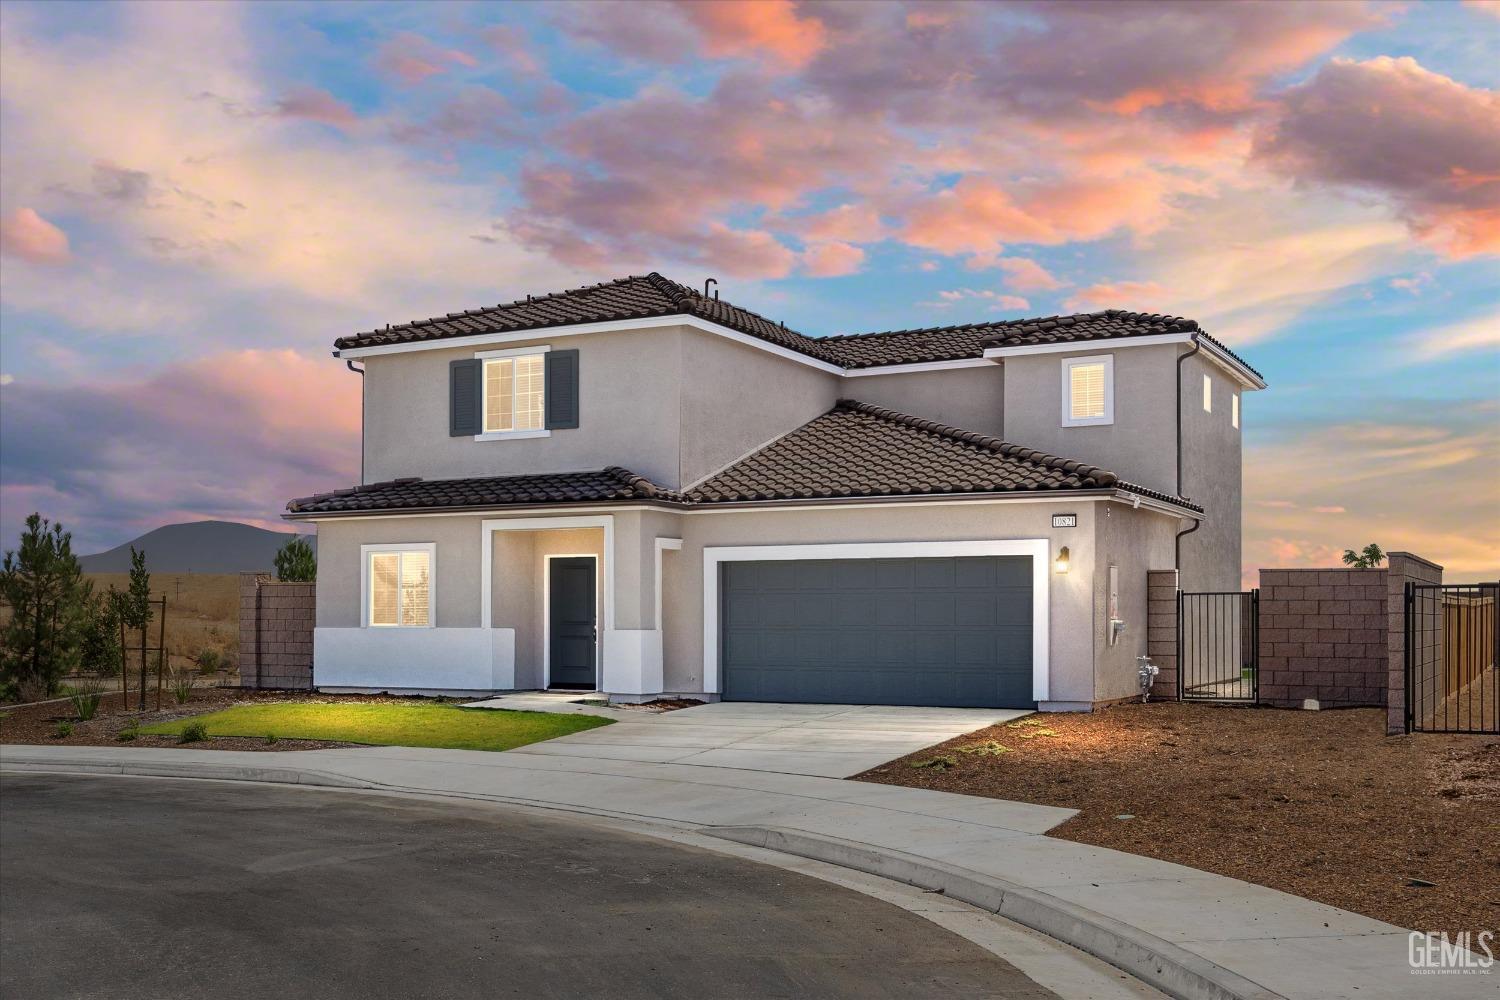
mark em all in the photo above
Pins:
pixel 1060 564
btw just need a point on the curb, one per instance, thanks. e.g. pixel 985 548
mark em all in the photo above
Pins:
pixel 219 772
pixel 1155 961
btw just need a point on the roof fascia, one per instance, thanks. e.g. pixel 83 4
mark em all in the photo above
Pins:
pixel 1218 355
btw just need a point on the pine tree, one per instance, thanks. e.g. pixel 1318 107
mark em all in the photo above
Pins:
pixel 296 563
pixel 44 587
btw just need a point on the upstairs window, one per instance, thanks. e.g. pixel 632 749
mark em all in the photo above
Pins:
pixel 514 393
pixel 1088 391
pixel 398 586
pixel 1208 394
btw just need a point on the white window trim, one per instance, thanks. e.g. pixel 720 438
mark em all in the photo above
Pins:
pixel 1234 410
pixel 1108 361
pixel 521 435
pixel 1208 393
pixel 366 551
pixel 1041 577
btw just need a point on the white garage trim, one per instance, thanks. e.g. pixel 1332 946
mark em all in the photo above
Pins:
pixel 1036 548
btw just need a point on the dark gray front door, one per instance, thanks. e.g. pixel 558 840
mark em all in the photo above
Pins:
pixel 571 622
pixel 878 631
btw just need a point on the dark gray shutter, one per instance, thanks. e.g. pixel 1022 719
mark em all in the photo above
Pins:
pixel 562 389
pixel 465 397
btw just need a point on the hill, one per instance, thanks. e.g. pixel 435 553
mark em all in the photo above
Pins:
pixel 197 547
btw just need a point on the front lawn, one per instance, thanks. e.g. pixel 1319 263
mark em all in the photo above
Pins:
pixel 1320 804
pixel 400 724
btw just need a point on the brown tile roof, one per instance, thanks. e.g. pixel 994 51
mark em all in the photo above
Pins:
pixel 859 450
pixel 652 296
pixel 610 484
pixel 854 450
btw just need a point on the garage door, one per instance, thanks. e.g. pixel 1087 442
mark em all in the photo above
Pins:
pixel 878 631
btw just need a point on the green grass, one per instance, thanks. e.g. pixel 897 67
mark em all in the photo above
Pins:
pixel 417 725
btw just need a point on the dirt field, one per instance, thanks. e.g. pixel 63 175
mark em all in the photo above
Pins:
pixel 1320 804
pixel 202 611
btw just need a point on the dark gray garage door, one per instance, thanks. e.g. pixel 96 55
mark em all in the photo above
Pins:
pixel 879 631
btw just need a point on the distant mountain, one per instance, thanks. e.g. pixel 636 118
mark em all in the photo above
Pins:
pixel 197 547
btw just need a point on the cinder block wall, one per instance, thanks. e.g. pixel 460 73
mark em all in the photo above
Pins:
pixel 1323 635
pixel 276 632
pixel 1161 630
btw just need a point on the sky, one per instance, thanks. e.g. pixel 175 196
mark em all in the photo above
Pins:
pixel 196 199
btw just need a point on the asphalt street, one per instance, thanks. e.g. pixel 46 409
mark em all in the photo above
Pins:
pixel 127 888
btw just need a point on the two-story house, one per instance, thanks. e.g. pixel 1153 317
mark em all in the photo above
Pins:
pixel 641 489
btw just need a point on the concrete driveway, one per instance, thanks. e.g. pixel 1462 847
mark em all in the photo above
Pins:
pixel 830 741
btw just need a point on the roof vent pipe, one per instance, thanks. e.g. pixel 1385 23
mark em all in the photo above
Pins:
pixel 706 284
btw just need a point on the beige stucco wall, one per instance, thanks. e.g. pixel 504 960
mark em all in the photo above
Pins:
pixel 1084 668
pixel 1136 541
pixel 1140 446
pixel 736 398
pixel 1211 477
pixel 969 398
pixel 628 413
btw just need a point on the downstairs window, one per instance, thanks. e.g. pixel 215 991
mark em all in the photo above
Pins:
pixel 398 586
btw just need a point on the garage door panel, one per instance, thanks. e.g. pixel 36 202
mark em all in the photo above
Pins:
pixel 883 631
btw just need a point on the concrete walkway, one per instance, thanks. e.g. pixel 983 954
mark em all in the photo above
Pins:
pixel 1186 932
pixel 831 741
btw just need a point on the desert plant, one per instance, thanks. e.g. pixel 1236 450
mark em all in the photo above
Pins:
pixel 1368 557
pixel 63 731
pixel 181 684
pixel 296 563
pixel 43 586
pixel 271 739
pixel 193 732
pixel 210 661
pixel 130 732
pixel 85 697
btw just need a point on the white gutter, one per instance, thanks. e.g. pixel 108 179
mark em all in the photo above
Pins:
pixel 1237 369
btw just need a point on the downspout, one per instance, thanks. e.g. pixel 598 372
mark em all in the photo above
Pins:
pixel 1177 542
pixel 349 363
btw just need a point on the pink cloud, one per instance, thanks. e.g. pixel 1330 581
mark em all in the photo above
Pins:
pixel 513 43
pixel 411 58
pixel 27 235
pixel 1137 296
pixel 831 260
pixel 1021 273
pixel 854 222
pixel 1429 144
pixel 751 27
pixel 1491 7
pixel 316 105
pixel 996 300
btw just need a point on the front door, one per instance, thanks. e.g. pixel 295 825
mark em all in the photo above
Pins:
pixel 571 622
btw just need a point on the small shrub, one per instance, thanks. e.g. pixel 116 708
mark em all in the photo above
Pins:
pixel 989 748
pixel 130 732
pixel 63 731
pixel 193 732
pixel 86 696
pixel 940 763
pixel 182 686
pixel 271 739
pixel 210 661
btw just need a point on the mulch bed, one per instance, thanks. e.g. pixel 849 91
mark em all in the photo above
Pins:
pixel 37 724
pixel 1319 804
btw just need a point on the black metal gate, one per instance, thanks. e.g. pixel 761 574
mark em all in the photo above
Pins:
pixel 1451 652
pixel 1218 646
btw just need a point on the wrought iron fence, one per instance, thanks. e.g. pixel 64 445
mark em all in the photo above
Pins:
pixel 1451 658
pixel 1218 646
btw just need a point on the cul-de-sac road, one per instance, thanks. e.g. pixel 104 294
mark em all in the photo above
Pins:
pixel 176 888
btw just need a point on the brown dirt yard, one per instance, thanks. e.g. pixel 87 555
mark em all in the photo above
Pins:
pixel 1319 804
